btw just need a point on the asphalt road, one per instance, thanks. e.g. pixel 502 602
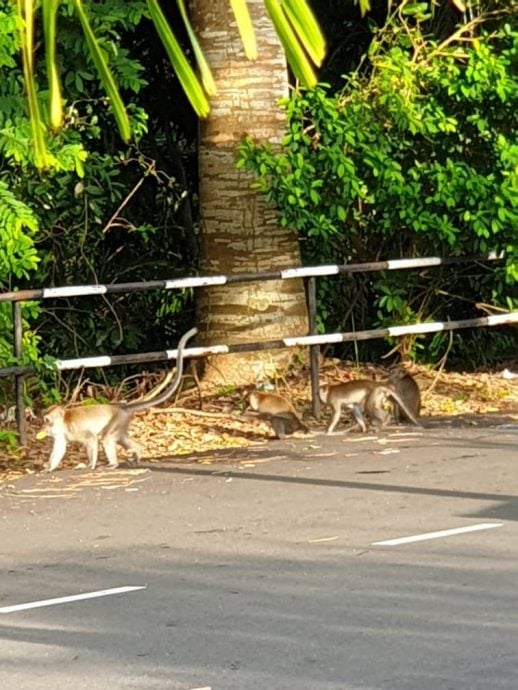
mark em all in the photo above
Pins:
pixel 260 570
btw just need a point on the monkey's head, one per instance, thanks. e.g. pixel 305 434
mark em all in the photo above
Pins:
pixel 53 421
pixel 254 401
pixel 398 373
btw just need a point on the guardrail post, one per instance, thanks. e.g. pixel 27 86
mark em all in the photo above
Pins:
pixel 18 378
pixel 314 350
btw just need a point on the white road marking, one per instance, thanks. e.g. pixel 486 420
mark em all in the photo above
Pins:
pixel 437 535
pixel 65 600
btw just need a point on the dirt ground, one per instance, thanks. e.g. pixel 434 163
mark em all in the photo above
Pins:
pixel 472 399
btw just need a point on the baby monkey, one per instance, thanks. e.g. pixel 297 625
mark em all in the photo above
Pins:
pixel 109 423
pixel 278 411
pixel 362 397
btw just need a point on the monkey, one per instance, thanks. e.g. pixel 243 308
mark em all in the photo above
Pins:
pixel 406 387
pixel 346 393
pixel 361 396
pixel 278 411
pixel 376 408
pixel 109 423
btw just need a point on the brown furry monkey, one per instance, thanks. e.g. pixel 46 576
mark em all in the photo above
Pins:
pixel 278 411
pixel 108 423
pixel 361 396
pixel 406 387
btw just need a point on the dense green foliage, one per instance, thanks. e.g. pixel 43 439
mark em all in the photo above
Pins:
pixel 415 156
pixel 105 212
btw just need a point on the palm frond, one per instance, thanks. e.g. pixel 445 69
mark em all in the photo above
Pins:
pixel 105 74
pixel 186 75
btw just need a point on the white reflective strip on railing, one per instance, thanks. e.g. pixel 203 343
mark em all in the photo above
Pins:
pixel 313 339
pixel 195 282
pixel 415 328
pixel 306 271
pixel 434 326
pixel 74 291
pixel 197 351
pixel 89 362
pixel 414 263
pixel 495 319
pixel 305 340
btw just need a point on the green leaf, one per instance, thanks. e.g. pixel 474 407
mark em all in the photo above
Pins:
pixel 294 51
pixel 50 8
pixel 105 74
pixel 186 75
pixel 205 71
pixel 365 6
pixel 42 157
pixel 307 28
pixel 246 30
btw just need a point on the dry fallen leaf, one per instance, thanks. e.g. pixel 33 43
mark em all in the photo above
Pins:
pixel 165 435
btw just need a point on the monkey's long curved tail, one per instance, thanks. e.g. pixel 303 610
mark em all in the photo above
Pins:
pixel 171 389
pixel 405 409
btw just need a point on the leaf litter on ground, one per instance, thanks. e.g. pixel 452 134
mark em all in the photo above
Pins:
pixel 166 435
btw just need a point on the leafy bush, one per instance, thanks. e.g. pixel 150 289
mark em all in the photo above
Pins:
pixel 415 156
pixel 104 213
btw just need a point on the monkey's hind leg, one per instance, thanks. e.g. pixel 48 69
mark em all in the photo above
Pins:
pixel 133 447
pixel 278 426
pixel 92 449
pixel 110 450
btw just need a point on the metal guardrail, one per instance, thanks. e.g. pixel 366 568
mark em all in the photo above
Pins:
pixel 308 274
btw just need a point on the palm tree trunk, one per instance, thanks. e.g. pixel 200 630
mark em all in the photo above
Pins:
pixel 239 231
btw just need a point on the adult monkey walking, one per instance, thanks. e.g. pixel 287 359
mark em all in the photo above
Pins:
pixel 109 423
pixel 362 396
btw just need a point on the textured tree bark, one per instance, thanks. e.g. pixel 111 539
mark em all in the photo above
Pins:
pixel 239 231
